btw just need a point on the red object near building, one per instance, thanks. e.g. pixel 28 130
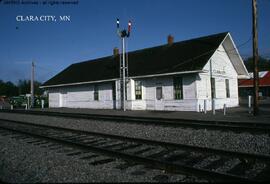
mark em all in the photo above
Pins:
pixel 246 85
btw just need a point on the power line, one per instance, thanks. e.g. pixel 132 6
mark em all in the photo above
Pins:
pixel 242 55
pixel 45 68
pixel 239 46
pixel 205 53
pixel 188 60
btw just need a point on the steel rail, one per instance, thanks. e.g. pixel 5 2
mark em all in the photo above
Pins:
pixel 251 127
pixel 148 141
pixel 160 164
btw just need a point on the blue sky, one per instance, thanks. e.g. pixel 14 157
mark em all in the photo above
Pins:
pixel 92 31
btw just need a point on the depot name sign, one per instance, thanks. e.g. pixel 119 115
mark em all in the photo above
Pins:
pixel 220 72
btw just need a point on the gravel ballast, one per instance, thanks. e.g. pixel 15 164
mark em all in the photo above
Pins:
pixel 37 162
pixel 242 142
pixel 22 162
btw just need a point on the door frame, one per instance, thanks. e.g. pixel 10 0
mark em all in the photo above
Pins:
pixel 159 104
pixel 62 99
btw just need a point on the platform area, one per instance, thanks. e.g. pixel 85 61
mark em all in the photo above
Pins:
pixel 238 114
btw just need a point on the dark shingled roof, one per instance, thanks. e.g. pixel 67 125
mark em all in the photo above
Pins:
pixel 189 55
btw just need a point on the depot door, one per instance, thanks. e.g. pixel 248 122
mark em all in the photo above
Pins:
pixel 62 99
pixel 159 103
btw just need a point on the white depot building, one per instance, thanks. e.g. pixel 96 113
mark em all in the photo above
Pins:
pixel 180 76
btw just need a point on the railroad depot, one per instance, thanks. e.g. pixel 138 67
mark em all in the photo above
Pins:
pixel 176 76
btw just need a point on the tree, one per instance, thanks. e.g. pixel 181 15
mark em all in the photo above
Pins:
pixel 38 91
pixel 263 64
pixel 8 89
pixel 24 87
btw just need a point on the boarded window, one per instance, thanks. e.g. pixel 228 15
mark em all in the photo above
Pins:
pixel 178 88
pixel 213 87
pixel 138 90
pixel 159 93
pixel 227 83
pixel 96 93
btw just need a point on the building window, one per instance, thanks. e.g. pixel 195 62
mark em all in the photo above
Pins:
pixel 178 88
pixel 96 93
pixel 227 88
pixel 213 87
pixel 159 93
pixel 138 90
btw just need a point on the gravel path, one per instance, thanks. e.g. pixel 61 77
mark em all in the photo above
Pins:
pixel 22 162
pixel 244 142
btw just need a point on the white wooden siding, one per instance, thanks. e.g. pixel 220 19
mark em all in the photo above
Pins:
pixel 196 89
pixel 54 99
pixel 222 69
pixel 82 97
pixel 150 102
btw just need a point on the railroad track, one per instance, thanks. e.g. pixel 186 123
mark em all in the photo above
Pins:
pixel 212 164
pixel 197 124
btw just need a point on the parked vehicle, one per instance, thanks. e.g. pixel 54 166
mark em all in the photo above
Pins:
pixel 18 101
pixel 22 101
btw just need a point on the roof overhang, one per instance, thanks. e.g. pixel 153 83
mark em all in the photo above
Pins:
pixel 77 83
pixel 243 77
pixel 235 57
pixel 167 74
pixel 131 77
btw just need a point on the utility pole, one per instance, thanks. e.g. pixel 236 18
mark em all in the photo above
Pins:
pixel 123 68
pixel 32 84
pixel 255 59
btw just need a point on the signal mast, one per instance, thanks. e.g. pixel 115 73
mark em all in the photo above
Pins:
pixel 123 67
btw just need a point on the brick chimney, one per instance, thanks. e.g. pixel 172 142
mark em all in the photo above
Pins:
pixel 170 40
pixel 115 51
